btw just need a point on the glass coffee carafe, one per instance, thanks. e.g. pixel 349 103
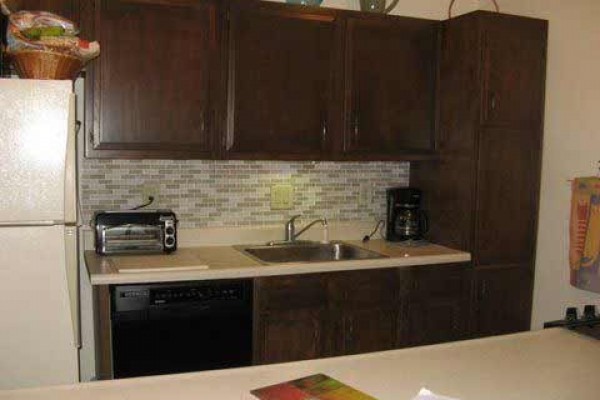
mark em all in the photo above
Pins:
pixel 405 219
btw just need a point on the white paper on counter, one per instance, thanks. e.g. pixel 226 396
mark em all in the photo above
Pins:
pixel 425 394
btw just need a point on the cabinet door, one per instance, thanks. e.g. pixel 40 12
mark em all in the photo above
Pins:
pixel 364 288
pixel 514 64
pixel 152 83
pixel 291 319
pixel 290 336
pixel 503 301
pixel 507 196
pixel 367 330
pixel 438 307
pixel 436 321
pixel 390 86
pixel 282 78
pixel 291 292
pixel 366 310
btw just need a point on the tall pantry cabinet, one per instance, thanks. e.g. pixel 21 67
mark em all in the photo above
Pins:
pixel 483 192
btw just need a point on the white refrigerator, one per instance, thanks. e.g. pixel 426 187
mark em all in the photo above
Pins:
pixel 39 313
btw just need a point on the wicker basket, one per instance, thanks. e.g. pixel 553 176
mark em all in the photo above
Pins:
pixel 42 64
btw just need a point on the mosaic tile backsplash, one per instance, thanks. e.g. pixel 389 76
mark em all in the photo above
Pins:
pixel 207 193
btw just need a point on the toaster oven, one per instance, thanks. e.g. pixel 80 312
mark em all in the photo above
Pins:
pixel 135 232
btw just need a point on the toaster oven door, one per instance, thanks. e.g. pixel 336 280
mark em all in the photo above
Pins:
pixel 131 239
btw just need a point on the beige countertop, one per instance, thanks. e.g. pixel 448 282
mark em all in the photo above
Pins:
pixel 224 262
pixel 553 364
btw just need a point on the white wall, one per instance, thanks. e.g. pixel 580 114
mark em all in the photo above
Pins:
pixel 571 139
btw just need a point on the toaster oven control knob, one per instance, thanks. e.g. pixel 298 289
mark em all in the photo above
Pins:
pixel 169 230
pixel 170 241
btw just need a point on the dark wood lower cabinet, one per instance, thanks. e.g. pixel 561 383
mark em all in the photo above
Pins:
pixel 364 307
pixel 332 314
pixel 438 307
pixel 291 335
pixel 366 330
pixel 502 302
pixel 291 318
pixel 436 321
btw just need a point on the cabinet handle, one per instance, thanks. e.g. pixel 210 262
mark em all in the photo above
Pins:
pixel 324 133
pixel 356 127
pixel 493 102
pixel 483 291
pixel 203 121
pixel 351 332
pixel 455 323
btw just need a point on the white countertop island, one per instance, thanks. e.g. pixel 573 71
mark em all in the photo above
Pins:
pixel 545 365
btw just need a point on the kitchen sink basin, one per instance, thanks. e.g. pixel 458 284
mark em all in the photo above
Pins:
pixel 308 252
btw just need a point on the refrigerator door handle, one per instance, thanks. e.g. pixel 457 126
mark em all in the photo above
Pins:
pixel 72 266
pixel 71 167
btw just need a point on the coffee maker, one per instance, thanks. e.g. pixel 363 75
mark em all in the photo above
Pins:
pixel 405 219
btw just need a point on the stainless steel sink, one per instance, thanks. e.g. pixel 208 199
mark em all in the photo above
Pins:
pixel 308 252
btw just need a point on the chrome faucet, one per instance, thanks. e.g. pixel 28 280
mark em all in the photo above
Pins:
pixel 290 228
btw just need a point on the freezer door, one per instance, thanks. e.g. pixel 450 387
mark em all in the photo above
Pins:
pixel 36 121
pixel 37 341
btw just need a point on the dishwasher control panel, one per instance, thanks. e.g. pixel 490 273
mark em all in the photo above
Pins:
pixel 144 296
pixel 196 293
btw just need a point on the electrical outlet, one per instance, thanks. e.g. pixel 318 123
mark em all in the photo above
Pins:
pixel 150 191
pixel 282 197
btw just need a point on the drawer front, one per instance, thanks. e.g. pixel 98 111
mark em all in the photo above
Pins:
pixel 440 281
pixel 291 292
pixel 365 288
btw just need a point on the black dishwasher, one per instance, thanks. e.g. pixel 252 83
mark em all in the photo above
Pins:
pixel 180 327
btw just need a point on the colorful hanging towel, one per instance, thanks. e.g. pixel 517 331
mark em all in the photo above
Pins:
pixel 584 230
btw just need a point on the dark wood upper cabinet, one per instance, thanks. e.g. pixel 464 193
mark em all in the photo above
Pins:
pixel 283 73
pixel 249 79
pixel 152 91
pixel 390 87
pixel 514 59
